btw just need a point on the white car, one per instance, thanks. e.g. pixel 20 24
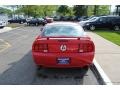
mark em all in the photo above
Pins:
pixel 2 24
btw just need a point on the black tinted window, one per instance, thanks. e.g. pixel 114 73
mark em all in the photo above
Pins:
pixel 103 19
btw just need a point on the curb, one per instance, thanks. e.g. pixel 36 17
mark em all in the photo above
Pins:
pixel 100 74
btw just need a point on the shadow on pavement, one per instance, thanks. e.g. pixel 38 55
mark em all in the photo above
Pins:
pixel 23 72
pixel 20 72
pixel 48 76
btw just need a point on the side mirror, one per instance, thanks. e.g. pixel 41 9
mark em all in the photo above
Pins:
pixel 41 29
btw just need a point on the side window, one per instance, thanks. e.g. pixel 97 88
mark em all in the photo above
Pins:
pixel 100 19
pixel 103 19
pixel 117 19
pixel 109 19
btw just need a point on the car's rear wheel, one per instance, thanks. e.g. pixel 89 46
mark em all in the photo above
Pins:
pixel 28 24
pixel 83 71
pixel 21 22
pixel 36 24
pixel 43 24
pixel 1 27
pixel 116 28
pixel 39 72
pixel 39 67
pixel 92 27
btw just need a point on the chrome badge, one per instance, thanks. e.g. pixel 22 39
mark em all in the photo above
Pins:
pixel 63 48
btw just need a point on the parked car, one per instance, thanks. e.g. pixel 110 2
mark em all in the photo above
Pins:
pixel 2 24
pixel 63 45
pixel 48 19
pixel 37 21
pixel 82 18
pixel 89 18
pixel 56 18
pixel 67 18
pixel 17 20
pixel 28 19
pixel 78 18
pixel 111 22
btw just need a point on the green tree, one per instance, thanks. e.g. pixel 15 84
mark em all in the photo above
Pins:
pixel 104 10
pixel 90 10
pixel 101 9
pixel 70 11
pixel 37 10
pixel 13 7
pixel 47 10
pixel 96 9
pixel 5 11
pixel 63 10
pixel 29 10
pixel 80 10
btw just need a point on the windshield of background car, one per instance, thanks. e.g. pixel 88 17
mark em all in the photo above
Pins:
pixel 41 19
pixel 94 19
pixel 63 30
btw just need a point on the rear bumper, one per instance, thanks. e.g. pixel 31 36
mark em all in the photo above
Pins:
pixel 50 59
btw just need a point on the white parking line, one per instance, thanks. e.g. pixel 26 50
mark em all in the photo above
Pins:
pixel 102 73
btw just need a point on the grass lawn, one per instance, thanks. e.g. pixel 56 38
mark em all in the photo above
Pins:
pixel 14 25
pixel 113 36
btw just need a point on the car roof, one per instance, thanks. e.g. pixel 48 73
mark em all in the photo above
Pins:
pixel 109 16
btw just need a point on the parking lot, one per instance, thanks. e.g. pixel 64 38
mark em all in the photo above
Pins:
pixel 17 66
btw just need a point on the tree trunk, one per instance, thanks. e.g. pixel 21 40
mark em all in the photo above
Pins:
pixel 96 7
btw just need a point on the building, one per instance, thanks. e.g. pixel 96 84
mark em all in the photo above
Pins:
pixel 4 17
pixel 117 10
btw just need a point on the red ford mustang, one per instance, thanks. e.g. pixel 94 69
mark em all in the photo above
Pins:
pixel 63 45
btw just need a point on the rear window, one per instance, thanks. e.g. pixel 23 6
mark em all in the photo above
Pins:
pixel 63 30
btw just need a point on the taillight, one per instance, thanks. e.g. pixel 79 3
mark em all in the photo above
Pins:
pixel 86 47
pixel 40 47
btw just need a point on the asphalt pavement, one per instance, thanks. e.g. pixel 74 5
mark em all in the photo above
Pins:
pixel 17 66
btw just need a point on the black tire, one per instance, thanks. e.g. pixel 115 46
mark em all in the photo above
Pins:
pixel 43 24
pixel 39 71
pixel 21 22
pixel 116 28
pixel 39 67
pixel 1 27
pixel 83 71
pixel 28 24
pixel 85 28
pixel 92 27
pixel 36 24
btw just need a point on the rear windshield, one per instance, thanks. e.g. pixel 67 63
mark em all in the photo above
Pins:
pixel 63 30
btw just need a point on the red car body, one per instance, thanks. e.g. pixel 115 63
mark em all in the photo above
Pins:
pixel 63 52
